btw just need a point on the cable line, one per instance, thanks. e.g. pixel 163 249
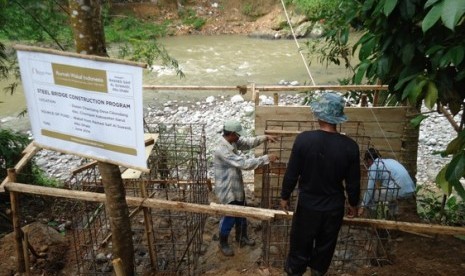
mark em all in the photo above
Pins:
pixel 297 43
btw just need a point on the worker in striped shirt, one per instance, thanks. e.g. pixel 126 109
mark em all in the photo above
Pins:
pixel 229 184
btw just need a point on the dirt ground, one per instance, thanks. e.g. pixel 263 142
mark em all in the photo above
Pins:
pixel 413 254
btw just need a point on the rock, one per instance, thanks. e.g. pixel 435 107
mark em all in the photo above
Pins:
pixel 303 29
pixel 42 238
pixel 237 99
pixel 317 30
pixel 101 258
pixel 210 99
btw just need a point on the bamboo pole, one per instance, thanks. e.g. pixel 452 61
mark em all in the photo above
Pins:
pixel 28 153
pixel 14 200
pixel 407 226
pixel 271 88
pixel 191 87
pixel 149 228
pixel 275 98
pixel 252 99
pixel 118 267
pixel 26 254
pixel 84 167
pixel 231 210
pixel 248 212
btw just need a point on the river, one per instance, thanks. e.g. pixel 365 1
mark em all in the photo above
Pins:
pixel 209 60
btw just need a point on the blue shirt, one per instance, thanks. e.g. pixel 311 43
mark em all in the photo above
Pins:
pixel 392 176
pixel 228 165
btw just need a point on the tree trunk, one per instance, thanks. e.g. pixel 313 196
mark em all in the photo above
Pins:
pixel 87 25
pixel 118 212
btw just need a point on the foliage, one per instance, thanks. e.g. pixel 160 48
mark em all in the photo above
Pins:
pixel 430 208
pixel 42 21
pixel 123 29
pixel 148 52
pixel 247 9
pixel 3 62
pixel 252 9
pixel 189 17
pixel 38 177
pixel 29 20
pixel 314 9
pixel 417 47
pixel 12 144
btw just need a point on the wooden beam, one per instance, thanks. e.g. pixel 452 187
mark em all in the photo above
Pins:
pixel 231 210
pixel 28 153
pixel 84 167
pixel 236 211
pixel 18 233
pixel 270 88
pixel 407 226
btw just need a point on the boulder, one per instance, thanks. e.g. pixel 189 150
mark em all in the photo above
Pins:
pixel 45 240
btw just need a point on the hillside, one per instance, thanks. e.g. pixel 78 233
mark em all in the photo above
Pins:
pixel 221 17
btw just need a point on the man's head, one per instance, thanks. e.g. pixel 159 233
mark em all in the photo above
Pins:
pixel 232 130
pixel 371 155
pixel 329 108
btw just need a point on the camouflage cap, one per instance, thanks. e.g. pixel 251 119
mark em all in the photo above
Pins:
pixel 329 108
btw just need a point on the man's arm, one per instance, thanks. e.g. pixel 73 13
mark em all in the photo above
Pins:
pixel 353 180
pixel 246 143
pixel 292 174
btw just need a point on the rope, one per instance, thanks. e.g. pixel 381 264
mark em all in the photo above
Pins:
pixel 313 81
pixel 384 135
pixel 297 43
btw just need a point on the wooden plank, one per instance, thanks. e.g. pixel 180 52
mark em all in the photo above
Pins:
pixel 270 88
pixel 303 113
pixel 84 167
pixel 28 153
pixel 149 140
pixel 220 210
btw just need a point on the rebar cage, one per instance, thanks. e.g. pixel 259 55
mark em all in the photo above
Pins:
pixel 357 246
pixel 166 242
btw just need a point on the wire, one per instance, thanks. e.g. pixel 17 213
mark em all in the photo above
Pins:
pixel 297 43
pixel 382 131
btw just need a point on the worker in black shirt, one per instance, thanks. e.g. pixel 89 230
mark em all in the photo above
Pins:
pixel 321 160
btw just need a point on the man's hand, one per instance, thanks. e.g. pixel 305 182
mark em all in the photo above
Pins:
pixel 361 210
pixel 273 157
pixel 284 205
pixel 271 138
pixel 352 211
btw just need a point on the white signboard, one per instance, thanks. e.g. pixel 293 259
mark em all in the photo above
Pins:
pixel 85 107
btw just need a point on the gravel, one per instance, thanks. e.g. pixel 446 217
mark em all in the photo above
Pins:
pixel 435 132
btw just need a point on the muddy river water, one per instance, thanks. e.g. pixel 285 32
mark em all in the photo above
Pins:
pixel 209 60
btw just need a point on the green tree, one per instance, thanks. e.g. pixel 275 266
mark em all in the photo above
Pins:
pixel 417 47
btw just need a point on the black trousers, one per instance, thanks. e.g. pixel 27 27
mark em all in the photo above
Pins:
pixel 313 240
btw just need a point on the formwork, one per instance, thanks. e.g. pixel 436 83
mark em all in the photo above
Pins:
pixel 166 242
pixel 357 246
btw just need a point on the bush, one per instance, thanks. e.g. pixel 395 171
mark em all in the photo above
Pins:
pixel 189 17
pixel 127 28
pixel 315 9
pixel 430 208
pixel 12 144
